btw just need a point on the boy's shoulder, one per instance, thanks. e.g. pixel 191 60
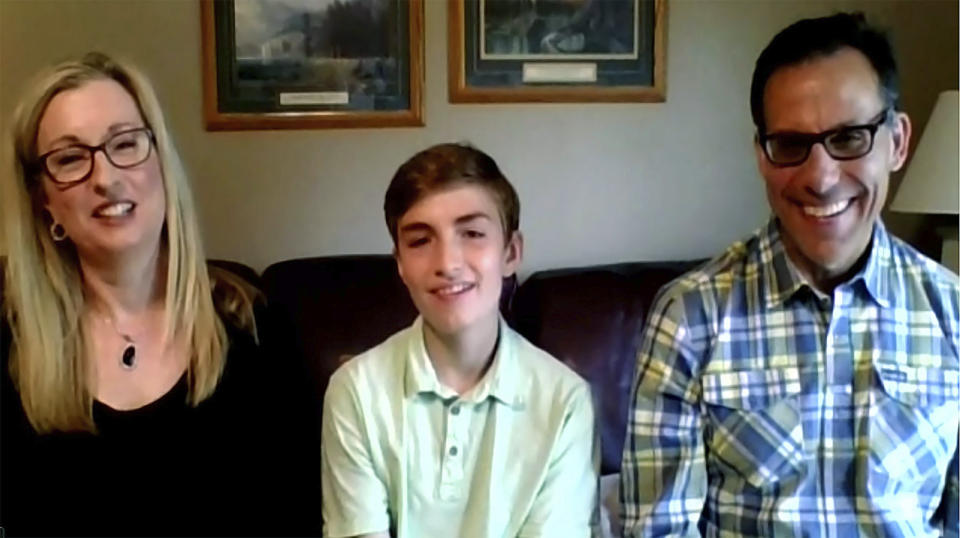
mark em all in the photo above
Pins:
pixel 375 368
pixel 543 369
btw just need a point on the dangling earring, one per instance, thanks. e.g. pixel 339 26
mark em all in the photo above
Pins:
pixel 57 231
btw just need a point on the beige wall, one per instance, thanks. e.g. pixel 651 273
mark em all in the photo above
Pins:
pixel 598 183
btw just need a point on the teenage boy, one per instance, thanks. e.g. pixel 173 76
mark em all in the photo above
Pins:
pixel 457 426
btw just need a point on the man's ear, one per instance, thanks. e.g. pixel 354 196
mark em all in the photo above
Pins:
pixel 900 131
pixel 513 253
pixel 762 162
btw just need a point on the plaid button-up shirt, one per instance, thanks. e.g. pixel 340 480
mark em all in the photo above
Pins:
pixel 762 407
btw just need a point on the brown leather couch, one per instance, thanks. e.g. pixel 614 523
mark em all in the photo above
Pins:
pixel 320 311
pixel 326 309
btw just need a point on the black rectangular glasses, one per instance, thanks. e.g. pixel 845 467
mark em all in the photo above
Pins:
pixel 843 143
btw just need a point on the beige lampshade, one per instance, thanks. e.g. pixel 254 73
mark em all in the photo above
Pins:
pixel 932 181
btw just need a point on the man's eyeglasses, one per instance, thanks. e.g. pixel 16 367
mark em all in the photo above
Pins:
pixel 74 163
pixel 843 144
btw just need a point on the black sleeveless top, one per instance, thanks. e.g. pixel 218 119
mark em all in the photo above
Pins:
pixel 236 465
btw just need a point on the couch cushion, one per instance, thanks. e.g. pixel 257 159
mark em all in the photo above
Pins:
pixel 326 309
pixel 590 318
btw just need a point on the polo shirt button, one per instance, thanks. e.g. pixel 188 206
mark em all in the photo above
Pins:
pixel 455 410
pixel 448 493
pixel 453 451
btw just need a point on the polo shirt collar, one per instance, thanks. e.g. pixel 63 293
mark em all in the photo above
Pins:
pixel 783 280
pixel 499 383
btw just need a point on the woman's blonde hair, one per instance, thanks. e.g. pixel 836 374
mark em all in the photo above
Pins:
pixel 44 299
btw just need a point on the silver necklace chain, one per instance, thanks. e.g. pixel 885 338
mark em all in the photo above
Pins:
pixel 128 360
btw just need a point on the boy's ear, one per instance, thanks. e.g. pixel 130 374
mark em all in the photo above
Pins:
pixel 396 258
pixel 513 253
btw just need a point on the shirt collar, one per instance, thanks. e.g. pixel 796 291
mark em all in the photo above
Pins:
pixel 500 381
pixel 783 280
pixel 876 273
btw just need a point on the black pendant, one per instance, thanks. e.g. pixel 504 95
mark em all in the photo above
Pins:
pixel 129 357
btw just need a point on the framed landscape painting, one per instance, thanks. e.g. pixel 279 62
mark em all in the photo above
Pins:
pixel 305 64
pixel 556 50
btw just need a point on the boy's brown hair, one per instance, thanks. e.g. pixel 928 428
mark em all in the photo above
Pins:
pixel 444 166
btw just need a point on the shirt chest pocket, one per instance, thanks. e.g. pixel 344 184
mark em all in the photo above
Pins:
pixel 912 427
pixel 753 424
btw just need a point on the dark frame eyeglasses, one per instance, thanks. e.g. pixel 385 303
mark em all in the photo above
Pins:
pixel 73 164
pixel 843 143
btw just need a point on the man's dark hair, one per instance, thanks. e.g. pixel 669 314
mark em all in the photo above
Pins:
pixel 441 167
pixel 813 38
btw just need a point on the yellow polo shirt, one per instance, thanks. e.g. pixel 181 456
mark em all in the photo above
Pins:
pixel 514 457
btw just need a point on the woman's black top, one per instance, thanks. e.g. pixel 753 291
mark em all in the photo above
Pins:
pixel 235 465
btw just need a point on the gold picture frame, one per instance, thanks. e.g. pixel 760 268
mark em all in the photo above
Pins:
pixel 475 75
pixel 247 85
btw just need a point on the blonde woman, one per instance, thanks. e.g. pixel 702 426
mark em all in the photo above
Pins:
pixel 135 400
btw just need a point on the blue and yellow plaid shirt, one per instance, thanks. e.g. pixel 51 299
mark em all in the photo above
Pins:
pixel 763 407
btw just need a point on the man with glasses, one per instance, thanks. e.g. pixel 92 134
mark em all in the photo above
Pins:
pixel 806 381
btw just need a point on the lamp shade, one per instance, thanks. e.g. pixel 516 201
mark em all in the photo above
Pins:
pixel 932 181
